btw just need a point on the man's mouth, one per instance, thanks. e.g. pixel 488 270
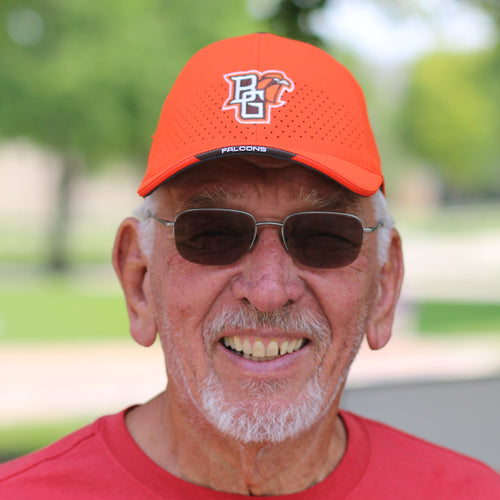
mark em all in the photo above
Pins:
pixel 255 349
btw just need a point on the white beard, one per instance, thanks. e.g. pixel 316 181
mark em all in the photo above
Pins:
pixel 262 417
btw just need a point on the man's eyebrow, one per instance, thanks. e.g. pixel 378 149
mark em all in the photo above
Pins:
pixel 218 197
pixel 332 203
pixel 312 200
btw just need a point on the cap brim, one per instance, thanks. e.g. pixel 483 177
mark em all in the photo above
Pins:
pixel 354 177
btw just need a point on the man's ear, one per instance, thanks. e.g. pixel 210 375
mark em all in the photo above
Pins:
pixel 131 266
pixel 387 295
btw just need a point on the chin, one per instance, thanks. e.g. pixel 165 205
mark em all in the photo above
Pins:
pixel 264 416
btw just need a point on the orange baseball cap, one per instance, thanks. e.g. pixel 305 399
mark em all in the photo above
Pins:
pixel 267 95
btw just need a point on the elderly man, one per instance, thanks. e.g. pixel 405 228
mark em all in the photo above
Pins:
pixel 262 256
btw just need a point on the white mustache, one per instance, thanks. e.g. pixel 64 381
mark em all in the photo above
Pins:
pixel 286 321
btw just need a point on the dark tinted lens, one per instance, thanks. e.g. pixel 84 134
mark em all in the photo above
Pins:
pixel 323 240
pixel 213 237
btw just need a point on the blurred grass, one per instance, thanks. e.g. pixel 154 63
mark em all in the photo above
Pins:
pixel 23 242
pixel 452 318
pixel 58 310
pixel 19 440
pixel 61 313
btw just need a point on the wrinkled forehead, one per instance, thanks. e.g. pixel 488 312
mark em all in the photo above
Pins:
pixel 237 176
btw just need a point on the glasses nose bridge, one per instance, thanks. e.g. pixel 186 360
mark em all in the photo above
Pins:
pixel 278 225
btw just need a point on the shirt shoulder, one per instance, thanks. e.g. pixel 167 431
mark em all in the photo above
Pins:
pixel 79 466
pixel 24 477
pixel 423 469
pixel 52 453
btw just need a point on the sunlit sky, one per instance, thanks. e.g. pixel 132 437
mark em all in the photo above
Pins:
pixel 363 26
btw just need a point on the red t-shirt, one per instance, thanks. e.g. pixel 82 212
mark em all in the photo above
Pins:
pixel 102 461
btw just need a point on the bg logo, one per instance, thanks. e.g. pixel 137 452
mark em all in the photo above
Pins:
pixel 252 94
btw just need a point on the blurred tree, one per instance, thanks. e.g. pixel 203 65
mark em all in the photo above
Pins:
pixel 491 7
pixel 87 77
pixel 450 119
pixel 290 18
pixel 450 115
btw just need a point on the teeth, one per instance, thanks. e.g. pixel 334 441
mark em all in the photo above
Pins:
pixel 284 347
pixel 238 346
pixel 247 348
pixel 229 342
pixel 258 351
pixel 272 349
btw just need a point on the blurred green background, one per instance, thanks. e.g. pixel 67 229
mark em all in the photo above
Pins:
pixel 81 88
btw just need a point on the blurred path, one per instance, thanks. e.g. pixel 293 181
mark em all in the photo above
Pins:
pixel 60 381
pixel 458 266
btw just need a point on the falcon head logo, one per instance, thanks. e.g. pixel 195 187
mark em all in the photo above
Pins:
pixel 252 94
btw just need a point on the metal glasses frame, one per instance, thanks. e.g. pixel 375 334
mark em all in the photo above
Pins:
pixel 281 225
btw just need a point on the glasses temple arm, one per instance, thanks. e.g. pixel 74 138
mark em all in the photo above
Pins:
pixel 372 229
pixel 165 222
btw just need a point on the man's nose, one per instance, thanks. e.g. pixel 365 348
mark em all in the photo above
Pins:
pixel 269 277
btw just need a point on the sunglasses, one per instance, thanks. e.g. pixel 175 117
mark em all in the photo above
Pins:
pixel 220 236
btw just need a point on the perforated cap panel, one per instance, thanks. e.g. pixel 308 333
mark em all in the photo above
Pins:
pixel 310 106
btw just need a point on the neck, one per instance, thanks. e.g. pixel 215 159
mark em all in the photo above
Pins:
pixel 193 450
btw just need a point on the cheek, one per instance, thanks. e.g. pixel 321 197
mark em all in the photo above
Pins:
pixel 185 293
pixel 347 297
pixel 346 314
pixel 181 302
pixel 346 304
pixel 179 292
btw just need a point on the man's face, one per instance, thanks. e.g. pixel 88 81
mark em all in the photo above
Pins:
pixel 299 327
